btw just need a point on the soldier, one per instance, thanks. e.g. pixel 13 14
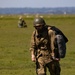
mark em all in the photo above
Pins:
pixel 42 49
pixel 21 22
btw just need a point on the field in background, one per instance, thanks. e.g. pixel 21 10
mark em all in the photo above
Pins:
pixel 15 42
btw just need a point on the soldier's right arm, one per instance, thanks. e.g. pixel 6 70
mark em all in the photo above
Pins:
pixel 32 47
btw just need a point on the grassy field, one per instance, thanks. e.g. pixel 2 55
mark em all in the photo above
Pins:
pixel 15 42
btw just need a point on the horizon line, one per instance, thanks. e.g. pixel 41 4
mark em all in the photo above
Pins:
pixel 40 7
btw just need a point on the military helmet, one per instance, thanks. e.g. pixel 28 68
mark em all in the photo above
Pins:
pixel 20 17
pixel 39 21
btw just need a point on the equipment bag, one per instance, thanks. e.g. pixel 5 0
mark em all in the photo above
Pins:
pixel 60 41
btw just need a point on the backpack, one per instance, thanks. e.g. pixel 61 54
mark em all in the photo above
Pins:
pixel 60 42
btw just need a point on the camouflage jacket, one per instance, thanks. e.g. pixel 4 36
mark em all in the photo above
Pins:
pixel 43 44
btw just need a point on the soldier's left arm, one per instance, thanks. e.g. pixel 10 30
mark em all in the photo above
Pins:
pixel 52 39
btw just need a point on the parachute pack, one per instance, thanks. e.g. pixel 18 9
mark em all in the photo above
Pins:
pixel 60 41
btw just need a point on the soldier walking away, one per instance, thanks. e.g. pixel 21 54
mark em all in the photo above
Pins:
pixel 21 23
pixel 42 49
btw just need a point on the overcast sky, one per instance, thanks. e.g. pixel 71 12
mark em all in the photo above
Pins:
pixel 37 3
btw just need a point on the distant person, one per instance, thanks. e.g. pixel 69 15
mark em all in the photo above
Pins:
pixel 21 23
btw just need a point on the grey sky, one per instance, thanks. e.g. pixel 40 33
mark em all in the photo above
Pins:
pixel 37 3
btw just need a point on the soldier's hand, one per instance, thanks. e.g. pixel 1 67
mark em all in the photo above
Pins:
pixel 33 58
pixel 57 59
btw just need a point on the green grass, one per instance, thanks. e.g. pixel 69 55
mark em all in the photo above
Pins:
pixel 15 42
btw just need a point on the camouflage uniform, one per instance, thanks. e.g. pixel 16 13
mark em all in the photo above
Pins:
pixel 42 46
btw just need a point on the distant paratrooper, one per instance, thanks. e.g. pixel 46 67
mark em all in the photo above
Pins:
pixel 21 22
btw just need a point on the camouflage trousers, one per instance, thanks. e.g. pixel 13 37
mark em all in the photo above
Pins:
pixel 53 68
